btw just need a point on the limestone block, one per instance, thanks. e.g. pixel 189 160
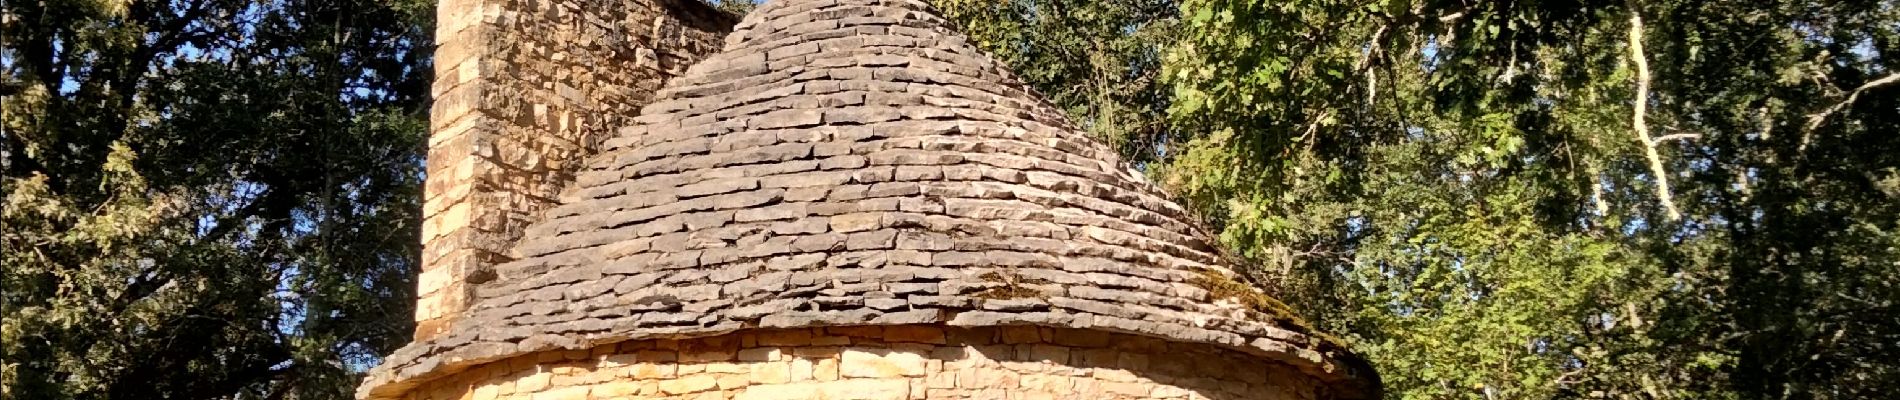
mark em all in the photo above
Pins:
pixel 565 393
pixel 865 389
pixel 1047 383
pixel 729 382
pixel 804 390
pixel 771 372
pixel 487 392
pixel 800 369
pixel 534 382
pixel 863 364
pixel 825 370
pixel 653 370
pixel 617 388
pixel 689 384
pixel 761 354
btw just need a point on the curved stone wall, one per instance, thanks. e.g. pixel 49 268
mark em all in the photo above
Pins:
pixel 894 362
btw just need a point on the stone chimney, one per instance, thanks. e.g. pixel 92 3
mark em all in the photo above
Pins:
pixel 524 90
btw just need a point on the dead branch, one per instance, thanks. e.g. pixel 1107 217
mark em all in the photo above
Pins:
pixel 1678 136
pixel 1815 120
pixel 1642 109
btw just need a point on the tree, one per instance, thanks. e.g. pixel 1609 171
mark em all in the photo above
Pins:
pixel 1098 60
pixel 1522 199
pixel 1558 199
pixel 208 198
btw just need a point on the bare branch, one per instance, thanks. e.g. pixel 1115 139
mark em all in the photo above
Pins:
pixel 1767 122
pixel 1456 15
pixel 1815 120
pixel 1596 190
pixel 1678 136
pixel 1366 63
pixel 1642 109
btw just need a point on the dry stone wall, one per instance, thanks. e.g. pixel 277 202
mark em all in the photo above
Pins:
pixel 524 90
pixel 876 363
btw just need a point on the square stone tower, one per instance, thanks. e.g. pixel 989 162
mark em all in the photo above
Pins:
pixel 524 90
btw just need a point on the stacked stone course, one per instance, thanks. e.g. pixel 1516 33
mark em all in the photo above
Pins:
pixel 878 363
pixel 851 201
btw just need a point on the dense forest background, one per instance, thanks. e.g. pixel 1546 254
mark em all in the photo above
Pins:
pixel 1637 199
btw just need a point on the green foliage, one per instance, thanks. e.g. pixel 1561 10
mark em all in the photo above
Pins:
pixel 1458 187
pixel 736 7
pixel 1096 59
pixel 208 198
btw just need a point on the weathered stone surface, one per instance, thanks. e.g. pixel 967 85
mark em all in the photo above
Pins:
pixel 864 364
pixel 506 140
pixel 893 176
pixel 894 362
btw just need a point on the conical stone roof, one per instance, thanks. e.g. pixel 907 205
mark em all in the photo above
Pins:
pixel 856 162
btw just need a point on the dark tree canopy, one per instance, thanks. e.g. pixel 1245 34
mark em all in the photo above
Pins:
pixel 208 198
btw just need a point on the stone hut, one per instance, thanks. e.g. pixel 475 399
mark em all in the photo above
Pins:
pixel 844 199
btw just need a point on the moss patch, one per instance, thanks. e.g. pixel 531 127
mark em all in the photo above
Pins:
pixel 1222 286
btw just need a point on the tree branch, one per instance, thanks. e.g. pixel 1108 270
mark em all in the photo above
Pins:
pixel 1678 136
pixel 226 224
pixel 1596 189
pixel 1642 108
pixel 1815 120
